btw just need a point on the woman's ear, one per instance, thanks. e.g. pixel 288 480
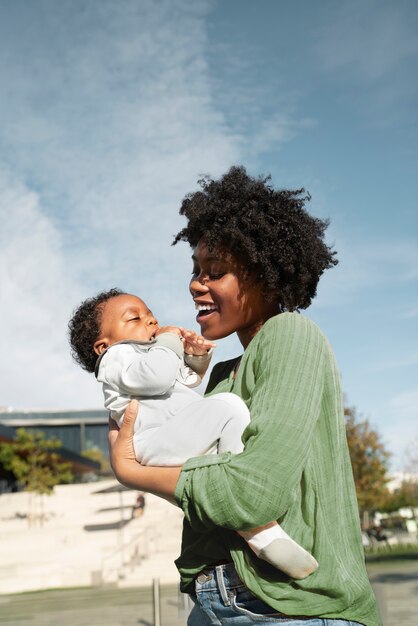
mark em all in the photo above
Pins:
pixel 100 346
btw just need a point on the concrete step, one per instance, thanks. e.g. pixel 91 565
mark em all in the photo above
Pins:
pixel 80 537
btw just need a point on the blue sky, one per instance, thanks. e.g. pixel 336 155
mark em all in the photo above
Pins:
pixel 112 110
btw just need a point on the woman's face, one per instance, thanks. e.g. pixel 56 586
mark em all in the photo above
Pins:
pixel 226 300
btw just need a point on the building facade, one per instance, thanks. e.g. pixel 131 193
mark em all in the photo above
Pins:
pixel 77 430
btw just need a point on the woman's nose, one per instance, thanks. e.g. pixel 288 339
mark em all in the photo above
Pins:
pixel 198 285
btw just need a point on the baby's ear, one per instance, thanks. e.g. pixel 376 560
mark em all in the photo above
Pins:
pixel 100 346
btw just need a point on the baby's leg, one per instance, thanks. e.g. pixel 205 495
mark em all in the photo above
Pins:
pixel 269 542
pixel 228 404
pixel 204 425
pixel 220 420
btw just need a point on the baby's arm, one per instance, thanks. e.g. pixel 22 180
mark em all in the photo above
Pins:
pixel 145 373
pixel 195 344
pixel 197 351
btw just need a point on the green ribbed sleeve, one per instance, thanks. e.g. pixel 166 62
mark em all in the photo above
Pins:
pixel 283 396
pixel 295 468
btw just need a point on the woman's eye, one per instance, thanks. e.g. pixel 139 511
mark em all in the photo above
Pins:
pixel 207 275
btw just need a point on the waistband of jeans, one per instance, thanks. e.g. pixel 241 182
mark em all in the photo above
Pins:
pixel 209 578
pixel 224 579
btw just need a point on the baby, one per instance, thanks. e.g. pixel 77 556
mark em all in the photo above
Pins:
pixel 117 337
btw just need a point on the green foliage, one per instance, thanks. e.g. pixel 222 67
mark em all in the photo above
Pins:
pixel 404 496
pixel 34 461
pixel 369 460
pixel 407 551
pixel 96 454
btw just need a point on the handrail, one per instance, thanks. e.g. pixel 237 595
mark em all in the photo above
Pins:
pixel 137 547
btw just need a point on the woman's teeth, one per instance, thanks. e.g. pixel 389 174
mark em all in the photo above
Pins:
pixel 205 308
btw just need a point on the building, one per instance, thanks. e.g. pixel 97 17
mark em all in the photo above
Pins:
pixel 77 430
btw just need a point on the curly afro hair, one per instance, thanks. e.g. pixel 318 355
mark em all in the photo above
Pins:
pixel 84 328
pixel 269 231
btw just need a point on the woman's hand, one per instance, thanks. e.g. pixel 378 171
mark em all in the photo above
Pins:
pixel 158 480
pixel 121 446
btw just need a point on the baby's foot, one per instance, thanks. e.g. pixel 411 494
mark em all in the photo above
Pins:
pixel 273 544
pixel 289 557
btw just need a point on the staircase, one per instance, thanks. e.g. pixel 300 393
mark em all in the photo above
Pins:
pixel 87 538
pixel 162 524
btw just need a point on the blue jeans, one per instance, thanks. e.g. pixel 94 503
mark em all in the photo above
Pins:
pixel 222 599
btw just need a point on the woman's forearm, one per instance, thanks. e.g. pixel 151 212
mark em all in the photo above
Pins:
pixel 160 481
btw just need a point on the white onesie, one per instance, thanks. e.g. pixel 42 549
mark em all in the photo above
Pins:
pixel 174 423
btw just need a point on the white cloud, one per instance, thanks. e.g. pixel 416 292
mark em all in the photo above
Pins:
pixel 275 131
pixel 109 119
pixel 109 114
pixel 35 286
pixel 120 128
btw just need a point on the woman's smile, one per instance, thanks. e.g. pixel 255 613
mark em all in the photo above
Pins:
pixel 205 309
pixel 226 299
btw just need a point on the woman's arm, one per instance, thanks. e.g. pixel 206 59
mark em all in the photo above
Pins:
pixel 160 481
pixel 282 375
pixel 285 382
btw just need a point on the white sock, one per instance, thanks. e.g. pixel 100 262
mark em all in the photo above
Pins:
pixel 259 538
pixel 272 544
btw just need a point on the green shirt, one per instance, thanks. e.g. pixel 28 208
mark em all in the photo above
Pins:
pixel 295 468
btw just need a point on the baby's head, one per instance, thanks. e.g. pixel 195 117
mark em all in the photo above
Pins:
pixel 109 317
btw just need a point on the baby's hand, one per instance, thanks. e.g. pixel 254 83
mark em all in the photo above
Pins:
pixel 169 329
pixel 195 344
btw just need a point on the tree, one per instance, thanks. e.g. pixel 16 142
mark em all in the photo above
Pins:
pixel 411 458
pixel 369 460
pixel 35 463
pixel 96 454
pixel 406 495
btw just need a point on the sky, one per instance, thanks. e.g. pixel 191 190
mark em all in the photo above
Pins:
pixel 111 111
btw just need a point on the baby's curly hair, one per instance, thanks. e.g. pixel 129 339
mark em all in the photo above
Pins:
pixel 84 328
pixel 269 231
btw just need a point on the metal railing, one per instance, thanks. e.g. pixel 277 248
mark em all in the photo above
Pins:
pixel 184 603
pixel 127 555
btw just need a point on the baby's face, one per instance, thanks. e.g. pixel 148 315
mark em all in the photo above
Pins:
pixel 125 317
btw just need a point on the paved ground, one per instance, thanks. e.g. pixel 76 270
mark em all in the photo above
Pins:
pixel 396 589
pixel 92 607
pixel 395 584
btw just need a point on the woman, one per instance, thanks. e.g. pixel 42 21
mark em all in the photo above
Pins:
pixel 258 256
